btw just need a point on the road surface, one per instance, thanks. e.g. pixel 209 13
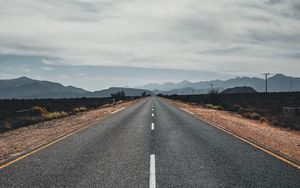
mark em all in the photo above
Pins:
pixel 150 144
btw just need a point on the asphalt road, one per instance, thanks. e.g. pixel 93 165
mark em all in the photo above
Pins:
pixel 185 152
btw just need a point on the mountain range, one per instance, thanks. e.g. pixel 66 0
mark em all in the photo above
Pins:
pixel 276 83
pixel 26 88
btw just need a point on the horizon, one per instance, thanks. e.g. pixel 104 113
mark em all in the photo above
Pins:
pixel 96 44
pixel 141 86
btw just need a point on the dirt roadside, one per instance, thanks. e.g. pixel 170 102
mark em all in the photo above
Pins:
pixel 284 141
pixel 16 142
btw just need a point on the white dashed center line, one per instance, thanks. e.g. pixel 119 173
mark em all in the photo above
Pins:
pixel 152 180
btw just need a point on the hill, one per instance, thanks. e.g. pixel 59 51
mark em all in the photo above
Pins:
pixel 27 88
pixel 237 90
pixel 181 91
pixel 276 83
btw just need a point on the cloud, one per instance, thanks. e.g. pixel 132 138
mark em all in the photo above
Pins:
pixel 47 68
pixel 95 77
pixel 225 36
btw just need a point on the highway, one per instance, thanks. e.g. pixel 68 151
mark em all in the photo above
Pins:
pixel 150 144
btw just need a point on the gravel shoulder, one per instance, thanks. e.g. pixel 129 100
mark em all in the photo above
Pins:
pixel 16 142
pixel 284 141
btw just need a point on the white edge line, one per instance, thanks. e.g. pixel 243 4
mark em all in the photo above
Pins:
pixel 117 110
pixel 245 140
pixel 152 180
pixel 187 111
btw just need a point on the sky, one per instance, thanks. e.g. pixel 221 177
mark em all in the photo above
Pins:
pixel 96 44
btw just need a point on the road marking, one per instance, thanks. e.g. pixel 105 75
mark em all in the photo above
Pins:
pixel 152 126
pixel 53 142
pixel 152 115
pixel 47 145
pixel 187 111
pixel 152 180
pixel 118 110
pixel 245 140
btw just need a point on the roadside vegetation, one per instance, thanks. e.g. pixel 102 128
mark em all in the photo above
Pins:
pixel 19 113
pixel 278 109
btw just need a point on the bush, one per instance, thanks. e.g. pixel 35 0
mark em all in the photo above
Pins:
pixel 210 106
pixel 55 115
pixel 255 116
pixel 233 108
pixel 7 125
pixel 64 114
pixel 263 119
pixel 121 95
pixel 251 115
pixel 218 108
pixel 37 110
pixel 213 96
pixel 80 109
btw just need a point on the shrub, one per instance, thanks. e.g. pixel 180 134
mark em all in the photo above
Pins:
pixel 7 125
pixel 210 106
pixel 218 108
pixel 255 116
pixel 263 119
pixel 39 110
pixel 234 108
pixel 121 95
pixel 80 109
pixel 54 115
pixel 64 114
pixel 213 96
pixel 251 115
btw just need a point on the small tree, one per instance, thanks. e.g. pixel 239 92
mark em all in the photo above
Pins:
pixel 119 95
pixel 144 94
pixel 213 97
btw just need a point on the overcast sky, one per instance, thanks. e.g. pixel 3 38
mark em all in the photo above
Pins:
pixel 95 44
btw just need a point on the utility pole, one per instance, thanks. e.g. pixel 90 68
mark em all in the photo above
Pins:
pixel 291 85
pixel 266 75
pixel 211 87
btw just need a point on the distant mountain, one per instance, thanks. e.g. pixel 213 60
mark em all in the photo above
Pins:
pixel 181 91
pixel 244 89
pixel 128 92
pixel 167 86
pixel 276 83
pixel 26 88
